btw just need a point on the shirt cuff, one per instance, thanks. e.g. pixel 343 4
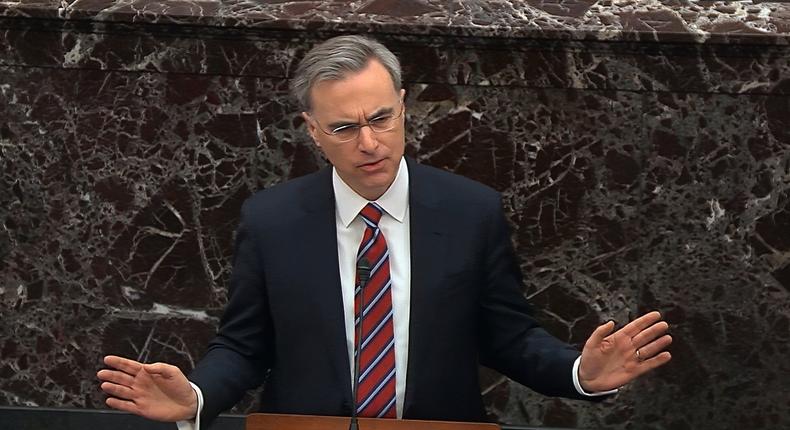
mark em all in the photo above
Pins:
pixel 578 384
pixel 193 424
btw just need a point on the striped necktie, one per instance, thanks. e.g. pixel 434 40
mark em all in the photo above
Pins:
pixel 376 392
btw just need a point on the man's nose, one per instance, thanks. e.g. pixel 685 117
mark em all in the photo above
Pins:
pixel 367 139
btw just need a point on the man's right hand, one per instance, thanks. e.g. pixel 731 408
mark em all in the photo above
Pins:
pixel 156 391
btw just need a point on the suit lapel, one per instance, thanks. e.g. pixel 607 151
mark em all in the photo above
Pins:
pixel 427 236
pixel 319 238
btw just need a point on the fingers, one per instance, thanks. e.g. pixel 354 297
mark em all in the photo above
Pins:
pixel 649 334
pixel 122 405
pixel 654 362
pixel 636 326
pixel 117 382
pixel 116 377
pixel 162 369
pixel 600 333
pixel 123 364
pixel 655 347
pixel 119 391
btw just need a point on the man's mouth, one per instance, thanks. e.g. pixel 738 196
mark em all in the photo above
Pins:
pixel 372 165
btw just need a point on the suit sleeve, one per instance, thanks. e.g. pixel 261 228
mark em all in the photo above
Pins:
pixel 239 356
pixel 512 342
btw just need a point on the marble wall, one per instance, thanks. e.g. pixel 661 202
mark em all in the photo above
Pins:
pixel 643 153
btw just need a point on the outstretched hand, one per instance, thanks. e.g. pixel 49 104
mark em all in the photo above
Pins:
pixel 156 391
pixel 610 360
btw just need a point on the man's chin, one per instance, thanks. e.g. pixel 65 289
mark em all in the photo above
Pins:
pixel 376 184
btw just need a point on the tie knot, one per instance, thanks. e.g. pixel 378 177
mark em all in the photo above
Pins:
pixel 371 214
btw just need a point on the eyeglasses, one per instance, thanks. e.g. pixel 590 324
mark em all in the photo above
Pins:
pixel 379 124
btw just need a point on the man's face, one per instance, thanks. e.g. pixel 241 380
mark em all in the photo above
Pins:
pixel 368 163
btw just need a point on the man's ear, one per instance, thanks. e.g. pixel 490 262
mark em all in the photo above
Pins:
pixel 403 95
pixel 310 127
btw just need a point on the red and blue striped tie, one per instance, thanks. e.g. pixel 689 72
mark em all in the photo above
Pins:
pixel 376 392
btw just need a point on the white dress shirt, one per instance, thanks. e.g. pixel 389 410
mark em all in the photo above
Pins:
pixel 394 224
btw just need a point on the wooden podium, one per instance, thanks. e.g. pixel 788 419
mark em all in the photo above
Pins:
pixel 313 422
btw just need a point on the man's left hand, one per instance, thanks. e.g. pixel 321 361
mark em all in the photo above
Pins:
pixel 610 360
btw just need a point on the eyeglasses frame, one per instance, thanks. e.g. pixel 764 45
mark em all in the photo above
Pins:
pixel 360 126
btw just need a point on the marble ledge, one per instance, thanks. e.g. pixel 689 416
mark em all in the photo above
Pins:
pixel 668 21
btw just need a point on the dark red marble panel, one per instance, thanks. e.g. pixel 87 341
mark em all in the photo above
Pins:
pixel 741 22
pixel 635 176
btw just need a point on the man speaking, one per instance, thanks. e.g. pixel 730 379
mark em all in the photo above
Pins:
pixel 421 258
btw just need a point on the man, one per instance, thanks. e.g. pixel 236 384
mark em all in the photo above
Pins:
pixel 443 294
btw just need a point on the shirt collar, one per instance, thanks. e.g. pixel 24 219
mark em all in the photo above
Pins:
pixel 394 201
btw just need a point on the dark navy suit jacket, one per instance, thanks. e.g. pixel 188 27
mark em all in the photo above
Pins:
pixel 284 326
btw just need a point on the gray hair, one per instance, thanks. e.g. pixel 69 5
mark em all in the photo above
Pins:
pixel 337 57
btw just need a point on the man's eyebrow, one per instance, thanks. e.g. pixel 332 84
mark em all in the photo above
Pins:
pixel 341 123
pixel 377 113
pixel 380 112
